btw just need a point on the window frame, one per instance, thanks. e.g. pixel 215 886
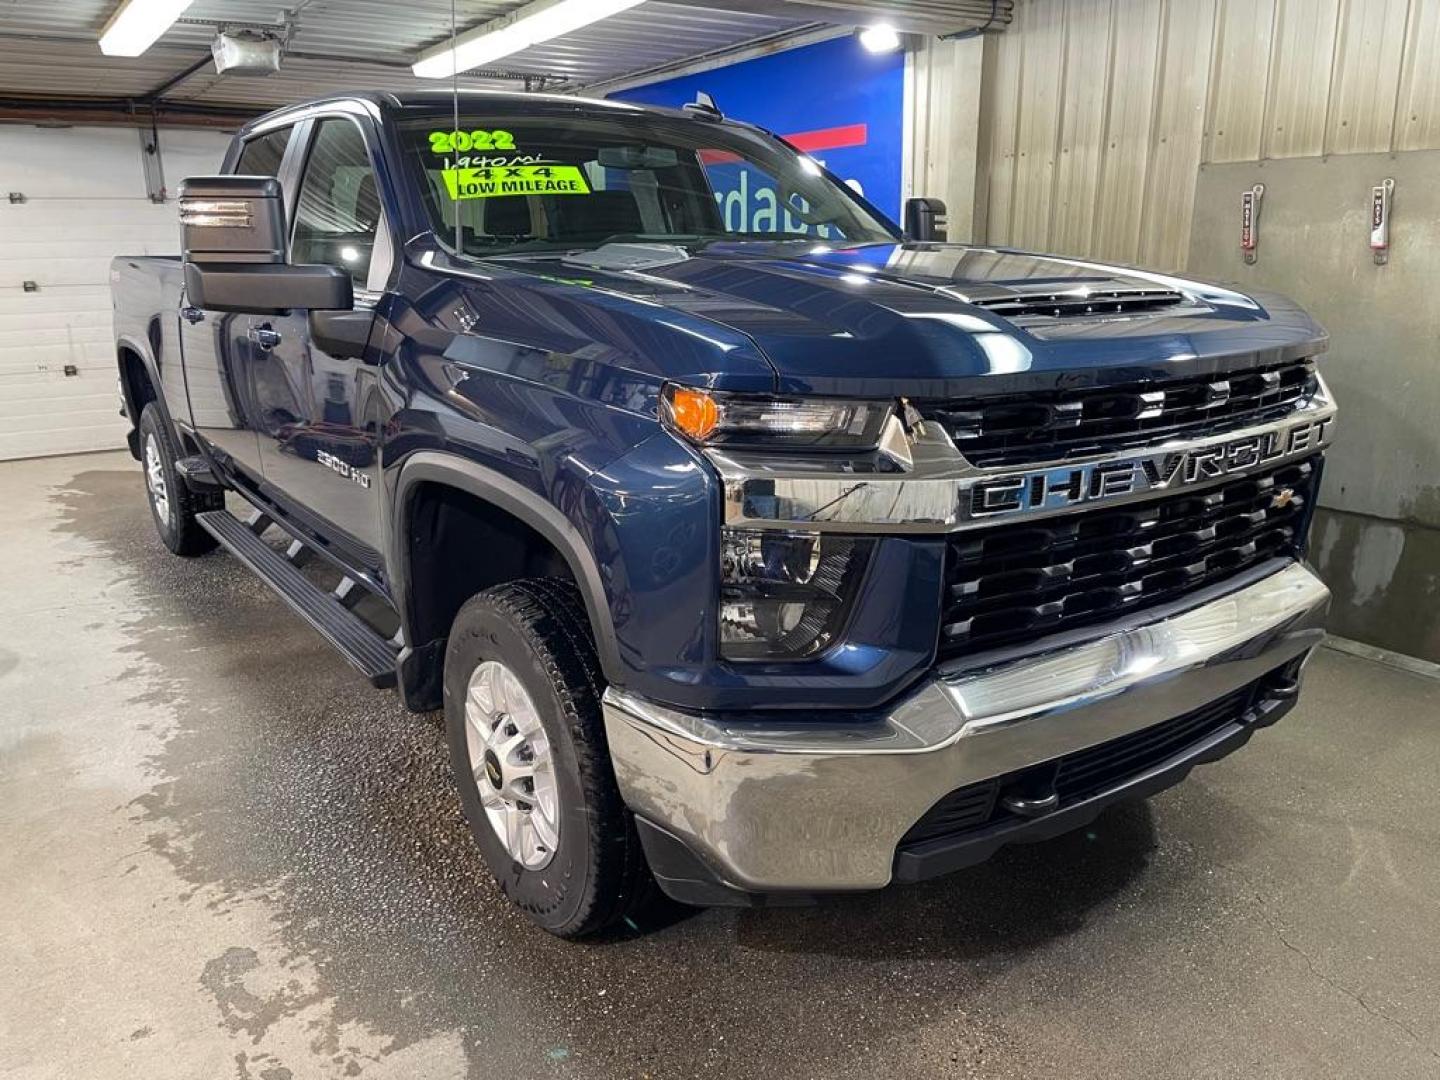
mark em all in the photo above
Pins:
pixel 256 136
pixel 297 162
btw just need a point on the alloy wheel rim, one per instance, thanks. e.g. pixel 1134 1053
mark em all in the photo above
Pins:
pixel 511 761
pixel 155 479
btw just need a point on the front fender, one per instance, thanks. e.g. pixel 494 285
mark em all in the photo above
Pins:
pixel 520 502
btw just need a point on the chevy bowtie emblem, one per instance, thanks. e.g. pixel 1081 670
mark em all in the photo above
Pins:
pixel 1282 498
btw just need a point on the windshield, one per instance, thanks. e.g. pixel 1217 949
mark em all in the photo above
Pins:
pixel 574 182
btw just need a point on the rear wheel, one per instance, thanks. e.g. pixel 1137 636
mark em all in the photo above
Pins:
pixel 527 744
pixel 172 504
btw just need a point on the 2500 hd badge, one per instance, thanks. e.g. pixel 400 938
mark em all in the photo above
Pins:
pixel 344 468
pixel 1043 489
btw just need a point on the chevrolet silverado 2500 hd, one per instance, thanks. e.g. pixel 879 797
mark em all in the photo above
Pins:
pixel 752 547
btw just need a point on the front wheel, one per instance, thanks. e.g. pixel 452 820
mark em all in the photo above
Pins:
pixel 527 744
pixel 172 504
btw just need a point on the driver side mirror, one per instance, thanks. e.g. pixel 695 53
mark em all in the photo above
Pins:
pixel 234 251
pixel 925 220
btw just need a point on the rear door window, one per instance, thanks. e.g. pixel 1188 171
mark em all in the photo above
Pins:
pixel 262 155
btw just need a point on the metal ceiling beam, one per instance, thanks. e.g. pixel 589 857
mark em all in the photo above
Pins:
pixel 750 50
pixel 937 17
pixel 98 110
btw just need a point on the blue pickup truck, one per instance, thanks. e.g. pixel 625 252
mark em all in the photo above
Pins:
pixel 756 549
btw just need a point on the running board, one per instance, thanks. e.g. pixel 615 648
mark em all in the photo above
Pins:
pixel 328 612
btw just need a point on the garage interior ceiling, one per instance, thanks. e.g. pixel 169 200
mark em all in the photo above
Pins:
pixel 49 51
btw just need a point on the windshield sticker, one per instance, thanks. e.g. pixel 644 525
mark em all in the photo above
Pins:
pixel 462 142
pixel 485 175
pixel 492 181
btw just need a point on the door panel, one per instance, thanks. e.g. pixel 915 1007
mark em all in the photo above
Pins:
pixel 230 393
pixel 218 382
pixel 321 432
pixel 323 415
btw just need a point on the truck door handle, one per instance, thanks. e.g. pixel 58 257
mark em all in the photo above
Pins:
pixel 265 337
pixel 192 314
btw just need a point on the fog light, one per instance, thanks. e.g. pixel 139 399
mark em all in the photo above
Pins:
pixel 785 596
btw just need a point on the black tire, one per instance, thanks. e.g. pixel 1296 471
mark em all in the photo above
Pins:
pixel 175 520
pixel 597 874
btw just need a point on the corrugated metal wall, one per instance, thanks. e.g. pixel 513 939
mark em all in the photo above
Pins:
pixel 942 110
pixel 1103 110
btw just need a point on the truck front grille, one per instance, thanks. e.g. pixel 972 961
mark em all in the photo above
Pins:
pixel 1017 582
pixel 1056 425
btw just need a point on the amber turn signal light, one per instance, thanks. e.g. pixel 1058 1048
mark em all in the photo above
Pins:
pixel 692 412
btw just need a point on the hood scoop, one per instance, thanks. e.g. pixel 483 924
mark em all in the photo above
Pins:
pixel 621 257
pixel 1080 302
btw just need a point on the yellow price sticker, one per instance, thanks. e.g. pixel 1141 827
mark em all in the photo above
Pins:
pixel 491 181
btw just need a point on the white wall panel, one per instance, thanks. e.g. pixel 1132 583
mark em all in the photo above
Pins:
pixel 87 163
pixel 85 202
pixel 105 222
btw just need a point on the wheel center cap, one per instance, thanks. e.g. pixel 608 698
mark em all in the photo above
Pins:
pixel 492 770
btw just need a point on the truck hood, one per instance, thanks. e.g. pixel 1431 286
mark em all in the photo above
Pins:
pixel 936 319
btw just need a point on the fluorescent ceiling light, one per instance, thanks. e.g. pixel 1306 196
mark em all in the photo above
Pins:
pixel 529 26
pixel 880 39
pixel 137 25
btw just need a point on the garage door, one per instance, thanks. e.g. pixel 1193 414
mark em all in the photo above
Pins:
pixel 76 197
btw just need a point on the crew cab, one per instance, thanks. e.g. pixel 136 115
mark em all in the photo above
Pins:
pixel 754 548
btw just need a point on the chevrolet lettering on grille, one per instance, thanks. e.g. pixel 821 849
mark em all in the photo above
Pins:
pixel 1072 485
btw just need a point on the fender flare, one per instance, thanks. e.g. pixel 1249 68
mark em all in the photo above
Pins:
pixel 127 343
pixel 521 503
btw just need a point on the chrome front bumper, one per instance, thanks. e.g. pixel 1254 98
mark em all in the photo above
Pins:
pixel 818 808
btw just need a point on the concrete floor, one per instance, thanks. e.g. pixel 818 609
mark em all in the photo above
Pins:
pixel 223 855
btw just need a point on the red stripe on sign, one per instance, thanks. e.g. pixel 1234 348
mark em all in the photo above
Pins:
pixel 829 138
pixel 807 142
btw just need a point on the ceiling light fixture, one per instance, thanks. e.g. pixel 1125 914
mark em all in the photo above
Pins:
pixel 532 24
pixel 881 38
pixel 138 24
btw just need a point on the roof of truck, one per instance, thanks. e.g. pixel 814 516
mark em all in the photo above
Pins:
pixel 496 97
pixel 499 100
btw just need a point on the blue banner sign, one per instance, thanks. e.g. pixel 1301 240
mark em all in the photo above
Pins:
pixel 837 102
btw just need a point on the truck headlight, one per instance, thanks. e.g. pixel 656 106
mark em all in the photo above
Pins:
pixel 785 596
pixel 713 418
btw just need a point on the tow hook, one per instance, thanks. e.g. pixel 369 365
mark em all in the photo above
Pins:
pixel 1276 690
pixel 1033 794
